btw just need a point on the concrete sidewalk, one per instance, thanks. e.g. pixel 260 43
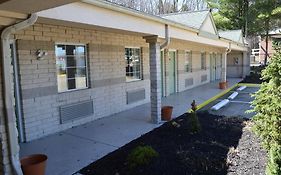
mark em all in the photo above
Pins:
pixel 75 148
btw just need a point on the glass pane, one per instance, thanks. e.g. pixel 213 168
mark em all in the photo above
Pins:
pixel 80 50
pixel 81 82
pixel 70 50
pixel 80 61
pixel 71 72
pixel 71 84
pixel 60 50
pixel 70 61
pixel 80 72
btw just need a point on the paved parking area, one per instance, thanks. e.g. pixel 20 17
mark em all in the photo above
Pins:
pixel 238 106
pixel 73 149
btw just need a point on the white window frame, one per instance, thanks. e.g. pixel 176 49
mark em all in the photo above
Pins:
pixel 189 61
pixel 141 63
pixel 86 66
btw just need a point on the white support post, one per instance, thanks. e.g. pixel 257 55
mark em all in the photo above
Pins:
pixel 155 78
pixel 223 83
pixel 246 64
pixel 224 67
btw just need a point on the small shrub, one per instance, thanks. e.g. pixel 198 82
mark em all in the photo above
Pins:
pixel 141 155
pixel 274 162
pixel 194 122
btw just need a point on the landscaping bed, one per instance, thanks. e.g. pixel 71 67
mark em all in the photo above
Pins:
pixel 181 151
pixel 248 157
pixel 255 76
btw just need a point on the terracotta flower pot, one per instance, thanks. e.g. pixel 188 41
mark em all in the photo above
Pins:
pixel 34 164
pixel 166 113
pixel 223 85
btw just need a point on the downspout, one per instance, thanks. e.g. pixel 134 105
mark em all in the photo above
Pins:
pixel 167 38
pixel 163 46
pixel 8 96
pixel 228 50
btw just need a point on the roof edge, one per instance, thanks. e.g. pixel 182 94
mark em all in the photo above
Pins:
pixel 119 8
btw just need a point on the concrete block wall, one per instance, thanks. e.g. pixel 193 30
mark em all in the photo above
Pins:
pixel 234 64
pixel 107 81
pixel 196 73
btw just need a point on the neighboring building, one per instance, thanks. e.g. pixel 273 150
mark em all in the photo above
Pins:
pixel 90 59
pixel 274 36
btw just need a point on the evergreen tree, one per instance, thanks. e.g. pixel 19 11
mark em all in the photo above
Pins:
pixel 267 106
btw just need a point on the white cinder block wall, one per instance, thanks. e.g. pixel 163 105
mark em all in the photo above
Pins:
pixel 108 86
pixel 106 65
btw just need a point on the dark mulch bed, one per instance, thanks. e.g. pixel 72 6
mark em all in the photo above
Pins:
pixel 249 157
pixel 252 78
pixel 180 151
pixel 255 75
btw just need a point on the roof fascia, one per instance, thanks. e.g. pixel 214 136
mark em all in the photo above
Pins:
pixel 118 8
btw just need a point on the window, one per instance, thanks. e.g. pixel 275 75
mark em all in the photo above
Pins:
pixel 203 61
pixel 220 56
pixel 133 64
pixel 188 61
pixel 71 64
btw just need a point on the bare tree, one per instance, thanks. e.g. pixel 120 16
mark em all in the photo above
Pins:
pixel 157 7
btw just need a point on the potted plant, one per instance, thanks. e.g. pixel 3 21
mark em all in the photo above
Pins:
pixel 223 85
pixel 34 164
pixel 166 113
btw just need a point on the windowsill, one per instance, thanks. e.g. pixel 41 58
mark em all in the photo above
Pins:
pixel 73 90
pixel 130 81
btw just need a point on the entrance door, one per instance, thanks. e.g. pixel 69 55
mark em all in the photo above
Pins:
pixel 212 67
pixel 218 66
pixel 172 72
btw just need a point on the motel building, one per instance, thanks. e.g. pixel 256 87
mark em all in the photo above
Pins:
pixel 66 63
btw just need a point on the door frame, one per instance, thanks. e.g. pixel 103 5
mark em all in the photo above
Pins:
pixel 163 70
pixel 213 63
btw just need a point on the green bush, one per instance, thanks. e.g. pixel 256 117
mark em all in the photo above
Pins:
pixel 267 106
pixel 141 155
pixel 274 162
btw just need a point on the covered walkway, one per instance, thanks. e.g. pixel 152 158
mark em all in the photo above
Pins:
pixel 72 149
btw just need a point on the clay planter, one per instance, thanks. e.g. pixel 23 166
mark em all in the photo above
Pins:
pixel 34 164
pixel 166 113
pixel 223 85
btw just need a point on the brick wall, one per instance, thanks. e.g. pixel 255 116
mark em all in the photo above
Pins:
pixel 108 86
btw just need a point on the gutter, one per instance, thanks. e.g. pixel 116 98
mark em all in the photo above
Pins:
pixel 132 12
pixel 8 96
pixel 139 14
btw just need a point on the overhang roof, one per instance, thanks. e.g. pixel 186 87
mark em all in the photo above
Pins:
pixel 14 11
pixel 193 19
pixel 234 35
